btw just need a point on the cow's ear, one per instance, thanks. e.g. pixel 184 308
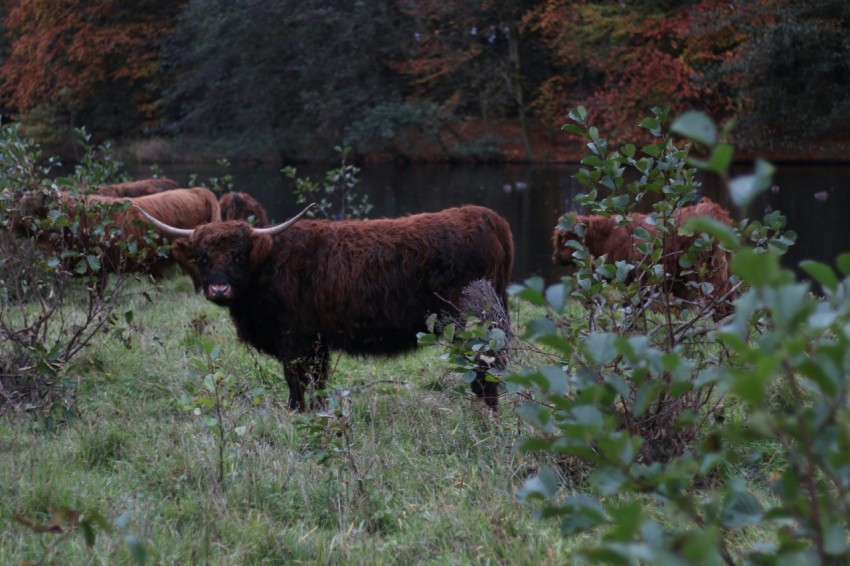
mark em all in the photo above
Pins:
pixel 261 247
pixel 182 251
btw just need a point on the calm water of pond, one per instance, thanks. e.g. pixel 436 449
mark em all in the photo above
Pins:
pixel 814 198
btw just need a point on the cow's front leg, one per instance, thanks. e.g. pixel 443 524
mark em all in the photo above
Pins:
pixel 293 370
pixel 486 390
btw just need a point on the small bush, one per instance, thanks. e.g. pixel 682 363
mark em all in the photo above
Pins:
pixel 56 251
pixel 676 407
pixel 338 197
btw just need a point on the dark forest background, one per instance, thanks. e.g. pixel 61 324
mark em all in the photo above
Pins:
pixel 407 80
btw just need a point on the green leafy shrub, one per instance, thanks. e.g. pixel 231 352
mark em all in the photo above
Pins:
pixel 476 333
pixel 213 394
pixel 55 254
pixel 218 185
pixel 332 440
pixel 337 198
pixel 769 384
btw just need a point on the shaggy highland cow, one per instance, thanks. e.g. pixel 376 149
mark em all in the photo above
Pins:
pixel 242 206
pixel 604 236
pixel 304 288
pixel 185 208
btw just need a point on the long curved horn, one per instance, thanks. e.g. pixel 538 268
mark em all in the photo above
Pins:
pixel 169 230
pixel 272 230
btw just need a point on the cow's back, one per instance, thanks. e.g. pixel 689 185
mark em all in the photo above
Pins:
pixel 182 208
pixel 137 188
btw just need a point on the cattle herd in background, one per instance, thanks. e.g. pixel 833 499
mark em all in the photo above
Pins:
pixel 181 207
pixel 304 288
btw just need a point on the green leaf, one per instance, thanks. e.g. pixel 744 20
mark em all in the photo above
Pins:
pixel 582 513
pixel 652 150
pixel 744 189
pixel 556 379
pixel 579 115
pixel 587 415
pixel 818 373
pixel 537 415
pixel 624 268
pixel 540 327
pixel 573 129
pixel 449 332
pixel 607 480
pixel 843 263
pixel 626 520
pixel 720 160
pixel 821 273
pixel 834 538
pixel 136 548
pixel 593 161
pixel 645 395
pixel 649 124
pixel 531 290
pixel 726 235
pixel 430 322
pixel 740 508
pixel 541 486
pixel 751 386
pixel 600 347
pixel 696 126
pixel 556 296
pixel 758 269
pixel 426 339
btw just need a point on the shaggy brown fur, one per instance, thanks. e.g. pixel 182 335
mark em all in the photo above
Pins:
pixel 604 236
pixel 184 208
pixel 242 206
pixel 363 287
pixel 137 188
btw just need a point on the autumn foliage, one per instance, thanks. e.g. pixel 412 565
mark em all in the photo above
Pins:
pixel 411 79
pixel 618 62
pixel 63 52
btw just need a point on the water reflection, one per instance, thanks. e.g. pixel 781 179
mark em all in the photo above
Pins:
pixel 814 198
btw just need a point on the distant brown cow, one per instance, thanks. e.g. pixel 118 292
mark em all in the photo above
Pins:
pixel 242 206
pixel 299 290
pixel 187 208
pixel 619 242
pixel 137 188
pixel 604 236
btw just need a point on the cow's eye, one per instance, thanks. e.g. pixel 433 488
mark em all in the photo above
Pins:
pixel 203 260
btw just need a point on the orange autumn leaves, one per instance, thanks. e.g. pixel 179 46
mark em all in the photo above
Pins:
pixel 63 51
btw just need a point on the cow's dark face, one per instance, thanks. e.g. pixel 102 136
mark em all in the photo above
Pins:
pixel 563 252
pixel 224 255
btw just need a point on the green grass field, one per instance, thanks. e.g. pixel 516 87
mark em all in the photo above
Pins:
pixel 416 474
